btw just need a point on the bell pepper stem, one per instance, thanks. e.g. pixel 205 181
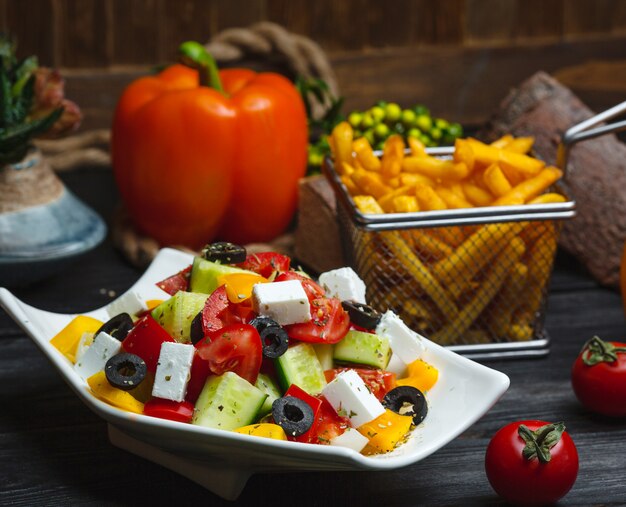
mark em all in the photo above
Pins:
pixel 195 55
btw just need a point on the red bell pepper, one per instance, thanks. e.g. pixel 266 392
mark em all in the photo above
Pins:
pixel 193 162
pixel 167 409
pixel 311 434
pixel 145 340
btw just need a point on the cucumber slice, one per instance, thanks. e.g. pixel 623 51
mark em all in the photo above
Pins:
pixel 324 353
pixel 227 402
pixel 363 348
pixel 300 366
pixel 175 314
pixel 204 274
pixel 269 387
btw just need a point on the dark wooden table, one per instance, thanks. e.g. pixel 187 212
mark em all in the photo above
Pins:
pixel 54 451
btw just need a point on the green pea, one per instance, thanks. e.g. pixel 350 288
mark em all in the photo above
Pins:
pixel 355 119
pixel 435 133
pixel 424 123
pixel 408 117
pixel 367 122
pixel 381 131
pixel 382 103
pixel 414 132
pixel 425 139
pixel 421 110
pixel 455 130
pixel 441 124
pixel 378 113
pixel 369 135
pixel 392 112
pixel 398 128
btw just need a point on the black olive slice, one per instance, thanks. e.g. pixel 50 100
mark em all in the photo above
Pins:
pixel 196 331
pixel 293 415
pixel 362 315
pixel 117 327
pixel 224 252
pixel 125 371
pixel 407 400
pixel 261 322
pixel 275 341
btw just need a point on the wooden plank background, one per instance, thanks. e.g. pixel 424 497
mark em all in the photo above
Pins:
pixel 458 56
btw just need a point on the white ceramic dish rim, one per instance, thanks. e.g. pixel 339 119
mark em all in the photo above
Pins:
pixel 143 426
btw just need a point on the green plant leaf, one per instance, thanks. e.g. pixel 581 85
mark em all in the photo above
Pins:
pixel 23 73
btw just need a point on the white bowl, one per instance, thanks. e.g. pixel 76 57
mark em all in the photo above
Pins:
pixel 223 461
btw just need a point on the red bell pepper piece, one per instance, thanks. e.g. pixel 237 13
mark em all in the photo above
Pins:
pixel 181 411
pixel 200 371
pixel 311 434
pixel 145 340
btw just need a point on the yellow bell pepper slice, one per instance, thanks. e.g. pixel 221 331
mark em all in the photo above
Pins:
pixel 421 375
pixel 265 430
pixel 239 285
pixel 153 303
pixel 112 395
pixel 66 340
pixel 385 432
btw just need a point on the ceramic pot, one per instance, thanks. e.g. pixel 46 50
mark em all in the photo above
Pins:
pixel 43 226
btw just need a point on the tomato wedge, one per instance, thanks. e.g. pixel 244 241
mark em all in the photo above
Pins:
pixel 312 289
pixel 174 283
pixel 145 340
pixel 328 424
pixel 379 382
pixel 265 263
pixel 236 348
pixel 181 411
pixel 219 312
pixel 329 323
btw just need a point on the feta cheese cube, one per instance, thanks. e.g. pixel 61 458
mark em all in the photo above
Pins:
pixel 405 343
pixel 130 303
pixel 173 371
pixel 343 283
pixel 351 398
pixel 351 439
pixel 285 302
pixel 84 343
pixel 103 348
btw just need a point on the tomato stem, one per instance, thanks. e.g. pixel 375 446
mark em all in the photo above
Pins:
pixel 194 54
pixel 598 351
pixel 540 441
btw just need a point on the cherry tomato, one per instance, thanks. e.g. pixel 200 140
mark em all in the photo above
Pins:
pixel 265 263
pixel 329 323
pixel 174 283
pixel 312 289
pixel 236 348
pixel 531 480
pixel 599 377
pixel 379 382
pixel 167 409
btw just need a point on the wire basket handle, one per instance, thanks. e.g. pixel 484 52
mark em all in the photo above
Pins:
pixel 585 130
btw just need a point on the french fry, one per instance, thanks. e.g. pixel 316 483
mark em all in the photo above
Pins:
pixel 405 204
pixel 347 169
pixel 367 204
pixel 550 197
pixel 420 273
pixel 488 155
pixel 458 270
pixel 428 199
pixel 350 186
pixel 492 283
pixel 476 195
pixel 463 153
pixel 496 181
pixel 435 168
pixel 520 332
pixel 417 147
pixel 342 142
pixel 452 235
pixel 520 144
pixel 452 199
pixel 502 142
pixel 530 188
pixel 414 179
pixel 386 201
pixel 393 155
pixel 429 246
pixel 365 154
pixel 370 183
pixel 510 298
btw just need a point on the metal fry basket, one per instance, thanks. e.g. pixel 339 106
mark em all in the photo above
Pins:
pixel 473 279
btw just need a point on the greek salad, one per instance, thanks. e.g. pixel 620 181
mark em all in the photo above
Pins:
pixel 246 343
